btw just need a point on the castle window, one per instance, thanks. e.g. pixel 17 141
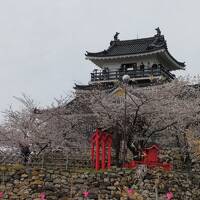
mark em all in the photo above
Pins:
pixel 154 66
pixel 128 66
pixel 142 66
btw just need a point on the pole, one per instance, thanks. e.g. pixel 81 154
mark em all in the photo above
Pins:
pixel 125 122
pixel 157 181
pixel 125 79
pixel 156 191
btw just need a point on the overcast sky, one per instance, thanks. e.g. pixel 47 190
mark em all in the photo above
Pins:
pixel 43 42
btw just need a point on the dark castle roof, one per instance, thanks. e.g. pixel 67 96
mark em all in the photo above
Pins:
pixel 125 47
pixel 120 48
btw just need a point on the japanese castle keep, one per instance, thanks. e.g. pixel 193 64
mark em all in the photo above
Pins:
pixel 145 60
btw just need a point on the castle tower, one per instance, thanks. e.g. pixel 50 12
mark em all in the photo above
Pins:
pixel 145 60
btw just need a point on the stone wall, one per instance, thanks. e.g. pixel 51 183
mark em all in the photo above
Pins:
pixel 20 183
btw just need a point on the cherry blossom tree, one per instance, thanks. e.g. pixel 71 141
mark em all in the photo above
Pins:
pixel 161 111
pixel 35 131
pixel 151 112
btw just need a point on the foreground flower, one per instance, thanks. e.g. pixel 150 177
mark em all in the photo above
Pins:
pixel 169 195
pixel 130 191
pixel 42 196
pixel 85 194
pixel 1 194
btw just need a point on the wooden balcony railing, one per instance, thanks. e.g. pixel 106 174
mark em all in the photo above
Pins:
pixel 134 74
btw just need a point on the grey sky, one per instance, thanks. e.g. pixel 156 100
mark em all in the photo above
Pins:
pixel 42 42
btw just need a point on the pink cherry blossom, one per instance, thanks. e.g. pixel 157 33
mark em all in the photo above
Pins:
pixel 169 195
pixel 85 194
pixel 1 194
pixel 42 196
pixel 130 191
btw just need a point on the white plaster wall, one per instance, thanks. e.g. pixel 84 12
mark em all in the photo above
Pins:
pixel 115 64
